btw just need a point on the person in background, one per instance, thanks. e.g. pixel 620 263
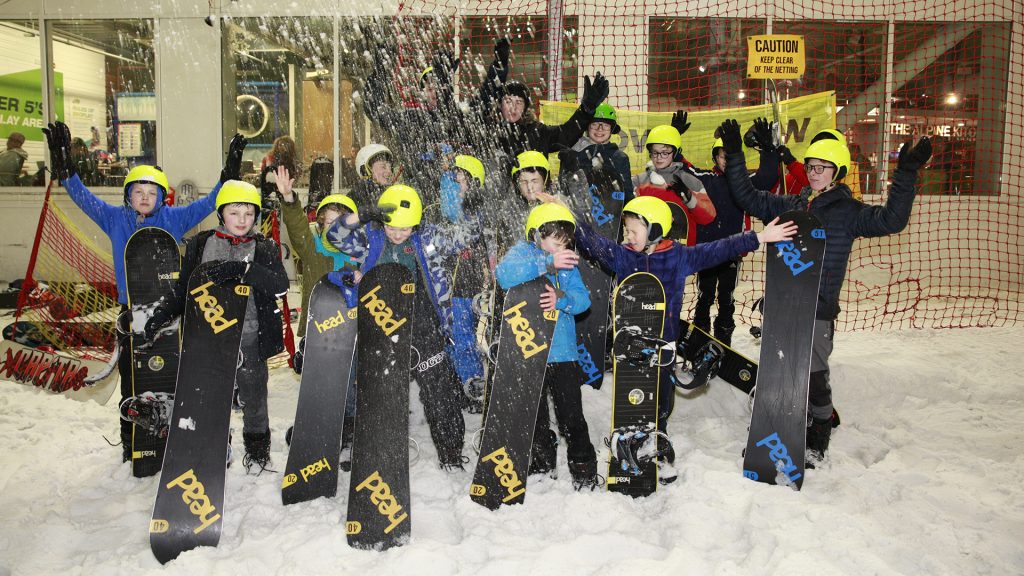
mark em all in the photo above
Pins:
pixel 596 147
pixel 375 167
pixel 12 159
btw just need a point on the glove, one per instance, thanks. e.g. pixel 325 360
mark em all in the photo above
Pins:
pixel 344 278
pixel 569 160
pixel 679 121
pixel 593 93
pixel 58 140
pixel 785 155
pixel 730 135
pixel 233 164
pixel 761 133
pixel 158 320
pixel 502 49
pixel 445 64
pixel 911 159
pixel 380 214
pixel 682 190
pixel 228 271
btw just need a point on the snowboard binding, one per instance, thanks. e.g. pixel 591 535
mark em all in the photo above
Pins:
pixel 475 390
pixel 633 447
pixel 150 411
pixel 690 375
pixel 631 346
pixel 133 323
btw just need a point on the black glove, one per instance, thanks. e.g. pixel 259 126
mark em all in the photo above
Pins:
pixel 730 134
pixel 593 93
pixel 158 320
pixel 568 160
pixel 762 134
pixel 227 271
pixel 502 49
pixel 679 121
pixel 380 214
pixel 682 190
pixel 233 164
pixel 785 155
pixel 445 64
pixel 58 140
pixel 913 158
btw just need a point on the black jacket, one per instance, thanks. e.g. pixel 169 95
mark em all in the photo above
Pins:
pixel 266 276
pixel 728 215
pixel 844 218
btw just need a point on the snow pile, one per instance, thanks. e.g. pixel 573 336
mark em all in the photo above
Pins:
pixel 923 477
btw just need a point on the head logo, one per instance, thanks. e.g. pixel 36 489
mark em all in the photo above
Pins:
pixel 332 322
pixel 522 331
pixel 213 313
pixel 382 314
pixel 381 496
pixel 505 470
pixel 194 494
pixel 791 257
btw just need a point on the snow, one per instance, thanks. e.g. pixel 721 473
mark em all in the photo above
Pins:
pixel 923 478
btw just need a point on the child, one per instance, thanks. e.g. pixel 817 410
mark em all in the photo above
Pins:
pixel 396 237
pixel 145 188
pixel 645 220
pixel 249 258
pixel 374 166
pixel 827 162
pixel 669 180
pixel 546 252
pixel 597 144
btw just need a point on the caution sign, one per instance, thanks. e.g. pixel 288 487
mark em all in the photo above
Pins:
pixel 775 56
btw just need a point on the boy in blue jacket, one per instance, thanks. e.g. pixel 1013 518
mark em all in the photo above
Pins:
pixel 398 237
pixel 645 219
pixel 145 188
pixel 546 252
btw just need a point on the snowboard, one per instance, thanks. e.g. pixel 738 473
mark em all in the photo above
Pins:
pixel 76 378
pixel 733 367
pixel 379 516
pixel 152 263
pixel 605 215
pixel 312 469
pixel 778 423
pixel 190 495
pixel 514 397
pixel 638 307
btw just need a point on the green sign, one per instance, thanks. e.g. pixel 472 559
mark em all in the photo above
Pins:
pixel 21 103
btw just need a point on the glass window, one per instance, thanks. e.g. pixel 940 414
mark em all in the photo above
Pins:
pixel 950 83
pixel 279 72
pixel 104 88
pixel 21 105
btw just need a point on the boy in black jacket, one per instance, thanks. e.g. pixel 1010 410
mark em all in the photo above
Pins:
pixel 254 260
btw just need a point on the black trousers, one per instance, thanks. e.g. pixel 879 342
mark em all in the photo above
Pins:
pixel 562 382
pixel 718 283
pixel 440 390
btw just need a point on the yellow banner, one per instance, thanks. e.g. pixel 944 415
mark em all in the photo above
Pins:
pixel 801 118
pixel 777 56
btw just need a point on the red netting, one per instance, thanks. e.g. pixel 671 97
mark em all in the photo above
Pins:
pixel 899 71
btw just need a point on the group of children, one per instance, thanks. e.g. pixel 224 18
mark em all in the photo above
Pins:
pixel 499 216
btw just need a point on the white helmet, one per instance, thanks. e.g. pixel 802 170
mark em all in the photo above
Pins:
pixel 365 156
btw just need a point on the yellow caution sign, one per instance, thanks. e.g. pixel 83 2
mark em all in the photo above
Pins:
pixel 775 56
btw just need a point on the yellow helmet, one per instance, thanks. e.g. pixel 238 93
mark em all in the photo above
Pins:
pixel 342 199
pixel 145 173
pixel 834 151
pixel 654 211
pixel 234 191
pixel 532 159
pixel 714 147
pixel 408 206
pixel 547 212
pixel 664 134
pixel 473 166
pixel 829 134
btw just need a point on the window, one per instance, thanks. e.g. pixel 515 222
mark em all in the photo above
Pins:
pixel 21 105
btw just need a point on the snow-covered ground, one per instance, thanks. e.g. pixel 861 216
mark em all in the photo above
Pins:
pixel 923 478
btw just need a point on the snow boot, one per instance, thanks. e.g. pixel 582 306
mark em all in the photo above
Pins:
pixel 818 435
pixel 257 451
pixel 544 454
pixel 584 475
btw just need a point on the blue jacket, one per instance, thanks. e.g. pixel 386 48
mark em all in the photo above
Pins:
pixel 365 245
pixel 524 262
pixel 120 222
pixel 671 263
pixel 729 216
pixel 845 219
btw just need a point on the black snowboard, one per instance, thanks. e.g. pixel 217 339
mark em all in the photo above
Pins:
pixel 312 469
pixel 778 424
pixel 190 496
pixel 735 368
pixel 639 303
pixel 152 263
pixel 379 516
pixel 514 398
pixel 605 215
